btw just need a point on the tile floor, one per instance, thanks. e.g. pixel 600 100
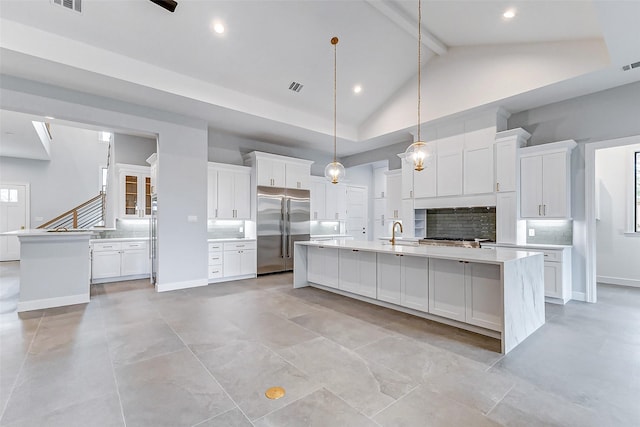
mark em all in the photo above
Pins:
pixel 205 356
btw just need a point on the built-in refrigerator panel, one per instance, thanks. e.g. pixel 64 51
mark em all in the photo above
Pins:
pixel 298 221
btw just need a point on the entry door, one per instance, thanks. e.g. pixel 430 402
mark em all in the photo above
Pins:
pixel 13 216
pixel 357 215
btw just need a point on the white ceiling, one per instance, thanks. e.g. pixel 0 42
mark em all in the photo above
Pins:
pixel 136 51
pixel 19 137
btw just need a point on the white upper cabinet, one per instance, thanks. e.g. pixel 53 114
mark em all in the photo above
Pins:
pixel 335 201
pixel 270 173
pixel 478 161
pixel 298 176
pixel 506 158
pixel 507 217
pixel 394 190
pixel 379 183
pixel 134 187
pixel 229 192
pixel 545 180
pixel 318 199
pixel 407 179
pixel 272 170
pixel 449 171
pixel 424 181
pixel 153 171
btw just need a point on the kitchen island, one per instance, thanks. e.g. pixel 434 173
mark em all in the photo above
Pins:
pixel 54 268
pixel 495 292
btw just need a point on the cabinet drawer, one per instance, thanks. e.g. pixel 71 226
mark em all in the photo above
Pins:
pixel 552 255
pixel 215 258
pixel 232 246
pixel 105 246
pixel 215 272
pixel 215 247
pixel 134 245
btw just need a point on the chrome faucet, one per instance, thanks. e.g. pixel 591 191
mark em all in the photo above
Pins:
pixel 393 232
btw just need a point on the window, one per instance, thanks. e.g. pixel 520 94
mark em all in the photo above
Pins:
pixel 8 195
pixel 637 187
pixel 103 179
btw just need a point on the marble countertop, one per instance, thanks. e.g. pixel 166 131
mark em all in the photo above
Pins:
pixel 526 245
pixel 492 256
pixel 231 240
pixel 47 233
pixel 329 236
pixel 119 239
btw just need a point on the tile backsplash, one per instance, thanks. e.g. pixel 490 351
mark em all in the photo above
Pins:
pixel 550 232
pixel 225 229
pixel 320 228
pixel 126 228
pixel 476 222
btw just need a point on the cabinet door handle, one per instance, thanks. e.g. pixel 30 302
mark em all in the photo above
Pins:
pixel 411 194
pixel 382 194
pixel 320 247
pixel 216 213
pixel 497 186
pixel 539 210
pixel 399 255
pixel 544 210
pixel 355 250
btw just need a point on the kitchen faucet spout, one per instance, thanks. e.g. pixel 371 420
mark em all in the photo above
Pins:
pixel 393 232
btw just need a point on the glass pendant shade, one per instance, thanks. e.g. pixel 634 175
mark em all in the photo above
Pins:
pixel 334 172
pixel 419 154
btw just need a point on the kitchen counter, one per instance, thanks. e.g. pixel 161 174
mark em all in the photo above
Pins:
pixel 237 239
pixel 493 256
pixel 54 268
pixel 497 292
pixel 118 239
pixel 525 245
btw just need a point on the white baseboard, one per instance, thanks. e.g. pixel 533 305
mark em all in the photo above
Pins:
pixel 578 296
pixel 230 279
pixel 38 304
pixel 618 281
pixel 174 286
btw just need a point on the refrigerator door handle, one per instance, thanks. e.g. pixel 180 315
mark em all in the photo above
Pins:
pixel 288 229
pixel 283 229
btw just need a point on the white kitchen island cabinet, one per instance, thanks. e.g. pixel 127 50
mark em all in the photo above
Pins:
pixel 498 293
pixel 357 272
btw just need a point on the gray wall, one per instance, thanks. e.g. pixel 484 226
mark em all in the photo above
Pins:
pixel 229 148
pixel 71 177
pixel 182 166
pixel 610 114
pixel 133 150
pixel 389 153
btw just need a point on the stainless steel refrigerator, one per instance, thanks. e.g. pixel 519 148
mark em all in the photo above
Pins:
pixel 283 219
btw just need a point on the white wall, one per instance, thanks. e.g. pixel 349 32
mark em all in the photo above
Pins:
pixel 182 167
pixel 617 253
pixel 70 178
pixel 600 116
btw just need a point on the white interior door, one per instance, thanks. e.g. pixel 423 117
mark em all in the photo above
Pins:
pixel 357 215
pixel 13 216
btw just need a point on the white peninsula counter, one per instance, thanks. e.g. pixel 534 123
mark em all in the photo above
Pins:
pixel 54 268
pixel 496 292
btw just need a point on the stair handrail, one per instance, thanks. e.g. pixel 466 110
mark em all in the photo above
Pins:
pixel 74 211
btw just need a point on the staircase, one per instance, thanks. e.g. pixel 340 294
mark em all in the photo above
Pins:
pixel 86 215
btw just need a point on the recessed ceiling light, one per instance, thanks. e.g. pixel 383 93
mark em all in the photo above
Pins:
pixel 509 14
pixel 218 27
pixel 357 89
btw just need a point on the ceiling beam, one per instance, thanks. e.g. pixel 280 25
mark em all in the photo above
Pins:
pixel 398 16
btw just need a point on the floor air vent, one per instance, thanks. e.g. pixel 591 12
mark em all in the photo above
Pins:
pixel 75 5
pixel 631 66
pixel 296 87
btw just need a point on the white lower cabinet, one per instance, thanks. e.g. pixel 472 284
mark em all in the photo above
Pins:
pixel 447 289
pixel 322 266
pixel 357 272
pixel 403 280
pixel 117 260
pixel 215 261
pixel 239 259
pixel 467 292
pixel 557 275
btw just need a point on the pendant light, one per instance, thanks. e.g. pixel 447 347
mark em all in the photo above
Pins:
pixel 418 153
pixel 334 170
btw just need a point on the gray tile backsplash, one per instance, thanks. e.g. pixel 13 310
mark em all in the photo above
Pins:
pixel 319 228
pixel 550 232
pixel 477 222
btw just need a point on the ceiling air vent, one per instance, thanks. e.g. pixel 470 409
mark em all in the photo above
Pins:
pixel 75 5
pixel 296 87
pixel 631 66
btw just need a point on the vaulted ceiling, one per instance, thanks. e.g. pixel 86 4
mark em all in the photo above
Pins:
pixel 238 81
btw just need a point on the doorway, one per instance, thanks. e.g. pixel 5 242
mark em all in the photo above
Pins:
pixel 357 212
pixel 14 215
pixel 597 200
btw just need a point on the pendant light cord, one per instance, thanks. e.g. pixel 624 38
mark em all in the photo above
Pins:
pixel 334 42
pixel 419 60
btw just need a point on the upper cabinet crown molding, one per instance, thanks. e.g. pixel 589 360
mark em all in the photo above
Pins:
pixel 251 157
pixel 519 134
pixel 552 147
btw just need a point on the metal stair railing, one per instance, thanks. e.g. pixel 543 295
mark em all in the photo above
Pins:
pixel 85 215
